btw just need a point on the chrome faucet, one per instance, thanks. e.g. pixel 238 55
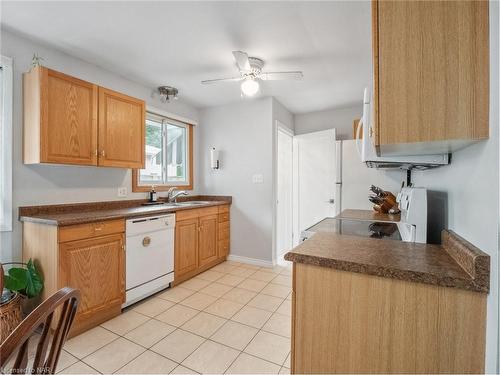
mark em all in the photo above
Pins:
pixel 172 195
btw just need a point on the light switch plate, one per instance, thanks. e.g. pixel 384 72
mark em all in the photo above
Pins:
pixel 122 192
pixel 258 178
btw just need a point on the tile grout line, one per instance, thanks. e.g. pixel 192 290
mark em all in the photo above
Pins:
pixel 198 312
pixel 244 305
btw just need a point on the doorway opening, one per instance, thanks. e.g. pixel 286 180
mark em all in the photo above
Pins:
pixel 316 173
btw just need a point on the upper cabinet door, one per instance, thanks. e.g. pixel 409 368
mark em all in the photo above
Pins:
pixel 60 118
pixel 121 130
pixel 431 88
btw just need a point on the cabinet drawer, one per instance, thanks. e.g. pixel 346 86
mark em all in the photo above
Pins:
pixel 195 212
pixel 223 217
pixel 82 231
pixel 224 208
pixel 224 230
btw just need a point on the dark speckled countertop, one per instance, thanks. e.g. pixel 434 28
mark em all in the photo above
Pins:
pixel 455 263
pixel 82 213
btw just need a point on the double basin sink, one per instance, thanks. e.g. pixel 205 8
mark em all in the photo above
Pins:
pixel 185 204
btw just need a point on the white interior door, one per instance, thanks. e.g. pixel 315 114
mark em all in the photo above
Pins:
pixel 284 188
pixel 316 181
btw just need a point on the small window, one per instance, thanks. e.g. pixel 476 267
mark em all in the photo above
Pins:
pixel 5 144
pixel 168 160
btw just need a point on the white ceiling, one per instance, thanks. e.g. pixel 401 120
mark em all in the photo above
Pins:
pixel 182 43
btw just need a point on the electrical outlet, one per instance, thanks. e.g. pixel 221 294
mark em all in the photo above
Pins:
pixel 258 179
pixel 122 192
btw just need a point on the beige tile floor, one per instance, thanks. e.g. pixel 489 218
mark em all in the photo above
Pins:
pixel 233 318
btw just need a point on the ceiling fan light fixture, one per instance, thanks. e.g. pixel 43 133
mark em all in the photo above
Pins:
pixel 250 87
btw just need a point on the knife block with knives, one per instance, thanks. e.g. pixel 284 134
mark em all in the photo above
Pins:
pixel 384 201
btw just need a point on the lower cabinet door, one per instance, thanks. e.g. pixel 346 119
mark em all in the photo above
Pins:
pixel 207 239
pixel 95 267
pixel 186 246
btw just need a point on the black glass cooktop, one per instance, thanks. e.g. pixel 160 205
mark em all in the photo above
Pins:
pixel 371 229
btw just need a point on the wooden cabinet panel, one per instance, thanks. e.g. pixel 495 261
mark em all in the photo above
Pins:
pixel 121 130
pixel 95 267
pixel 60 115
pixel 207 243
pixel 223 230
pixel 371 324
pixel 223 248
pixel 71 121
pixel 195 213
pixel 199 244
pixel 223 217
pixel 431 74
pixel 98 229
pixel 186 246
pixel 224 208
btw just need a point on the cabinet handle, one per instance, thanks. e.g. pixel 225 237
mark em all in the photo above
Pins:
pixel 99 228
pixel 96 152
pixel 103 154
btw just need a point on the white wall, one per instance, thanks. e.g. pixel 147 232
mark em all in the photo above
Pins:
pixel 340 119
pixel 45 184
pixel 243 134
pixel 470 187
pixel 283 115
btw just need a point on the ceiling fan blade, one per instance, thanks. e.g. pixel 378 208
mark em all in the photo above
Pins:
pixel 274 76
pixel 210 81
pixel 242 61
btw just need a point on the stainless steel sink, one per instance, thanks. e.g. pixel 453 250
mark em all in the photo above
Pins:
pixel 193 203
pixel 189 203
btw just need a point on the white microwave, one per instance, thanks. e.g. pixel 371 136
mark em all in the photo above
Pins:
pixel 368 154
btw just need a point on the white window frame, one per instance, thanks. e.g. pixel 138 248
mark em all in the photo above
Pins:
pixel 6 145
pixel 137 185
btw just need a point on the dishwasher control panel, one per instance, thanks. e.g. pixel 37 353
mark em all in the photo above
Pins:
pixel 149 224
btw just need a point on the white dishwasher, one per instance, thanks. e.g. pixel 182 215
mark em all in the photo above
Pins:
pixel 150 256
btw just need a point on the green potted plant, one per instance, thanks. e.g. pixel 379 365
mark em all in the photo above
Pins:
pixel 21 288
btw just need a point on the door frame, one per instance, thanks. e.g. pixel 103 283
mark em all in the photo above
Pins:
pixel 279 127
pixel 296 176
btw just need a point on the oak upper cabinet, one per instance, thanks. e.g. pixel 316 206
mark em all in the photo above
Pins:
pixel 71 121
pixel 186 246
pixel 207 242
pixel 431 88
pixel 60 119
pixel 121 125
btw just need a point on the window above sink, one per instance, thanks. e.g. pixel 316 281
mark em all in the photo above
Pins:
pixel 168 155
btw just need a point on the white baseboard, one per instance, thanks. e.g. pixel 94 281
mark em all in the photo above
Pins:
pixel 252 261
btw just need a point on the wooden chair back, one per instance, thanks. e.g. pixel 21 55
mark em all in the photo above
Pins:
pixel 45 314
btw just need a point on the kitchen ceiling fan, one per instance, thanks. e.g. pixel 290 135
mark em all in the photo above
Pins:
pixel 251 74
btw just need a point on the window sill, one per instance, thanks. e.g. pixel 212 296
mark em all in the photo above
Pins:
pixel 147 188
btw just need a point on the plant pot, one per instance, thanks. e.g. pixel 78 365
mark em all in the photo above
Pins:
pixel 10 315
pixel 29 304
